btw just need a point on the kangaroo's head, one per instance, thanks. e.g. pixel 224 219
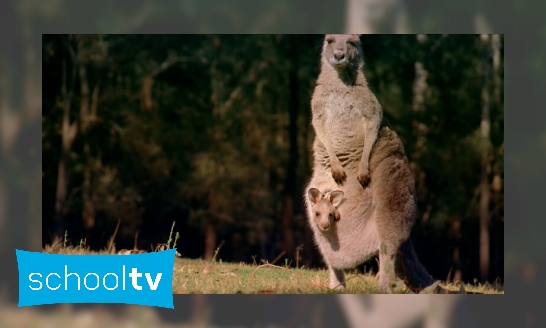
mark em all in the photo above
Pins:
pixel 342 51
pixel 324 207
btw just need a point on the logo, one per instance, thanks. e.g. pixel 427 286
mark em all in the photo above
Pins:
pixel 141 279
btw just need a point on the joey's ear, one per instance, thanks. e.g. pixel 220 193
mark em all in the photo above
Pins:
pixel 336 197
pixel 314 195
pixel 337 216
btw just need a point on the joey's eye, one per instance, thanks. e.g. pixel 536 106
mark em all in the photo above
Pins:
pixel 317 214
pixel 330 41
pixel 352 43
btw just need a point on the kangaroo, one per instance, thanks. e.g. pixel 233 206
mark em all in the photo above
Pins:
pixel 324 207
pixel 343 107
pixel 367 219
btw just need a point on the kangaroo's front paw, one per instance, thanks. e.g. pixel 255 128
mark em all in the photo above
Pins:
pixel 338 173
pixel 364 177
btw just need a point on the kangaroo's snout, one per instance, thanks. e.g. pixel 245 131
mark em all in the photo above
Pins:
pixel 339 56
pixel 324 226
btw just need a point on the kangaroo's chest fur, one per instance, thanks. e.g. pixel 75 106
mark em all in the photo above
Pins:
pixel 344 115
pixel 344 111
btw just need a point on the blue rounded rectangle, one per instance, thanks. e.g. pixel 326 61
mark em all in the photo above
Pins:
pixel 142 279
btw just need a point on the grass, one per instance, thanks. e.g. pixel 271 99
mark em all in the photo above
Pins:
pixel 202 277
pixel 215 277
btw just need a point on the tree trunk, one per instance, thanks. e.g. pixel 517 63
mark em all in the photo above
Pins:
pixel 147 86
pixel 497 197
pixel 210 242
pixel 290 184
pixel 420 89
pixel 88 212
pixel 69 131
pixel 287 216
pixel 484 183
pixel 495 47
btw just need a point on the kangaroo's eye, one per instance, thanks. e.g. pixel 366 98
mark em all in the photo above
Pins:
pixel 330 41
pixel 317 214
pixel 352 43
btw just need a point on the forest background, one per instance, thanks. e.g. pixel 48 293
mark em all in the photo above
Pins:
pixel 213 132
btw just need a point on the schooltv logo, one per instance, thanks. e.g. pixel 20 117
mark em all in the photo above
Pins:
pixel 141 279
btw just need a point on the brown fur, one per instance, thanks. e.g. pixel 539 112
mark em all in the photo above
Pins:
pixel 345 116
pixel 344 109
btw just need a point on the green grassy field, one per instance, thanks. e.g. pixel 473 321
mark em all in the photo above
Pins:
pixel 200 277
pixel 214 277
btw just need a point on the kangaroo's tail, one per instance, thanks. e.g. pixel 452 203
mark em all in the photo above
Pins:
pixel 410 268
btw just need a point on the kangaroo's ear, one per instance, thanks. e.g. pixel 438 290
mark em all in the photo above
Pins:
pixel 314 195
pixel 329 38
pixel 336 197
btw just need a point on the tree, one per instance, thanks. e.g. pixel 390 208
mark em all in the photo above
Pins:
pixel 485 192
pixel 291 165
pixel 68 131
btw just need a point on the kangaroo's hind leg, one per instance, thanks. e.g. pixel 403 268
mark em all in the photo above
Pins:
pixel 337 278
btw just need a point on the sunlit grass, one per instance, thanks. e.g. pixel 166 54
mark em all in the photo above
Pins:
pixel 196 276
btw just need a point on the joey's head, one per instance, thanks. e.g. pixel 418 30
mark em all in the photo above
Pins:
pixel 342 51
pixel 324 207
